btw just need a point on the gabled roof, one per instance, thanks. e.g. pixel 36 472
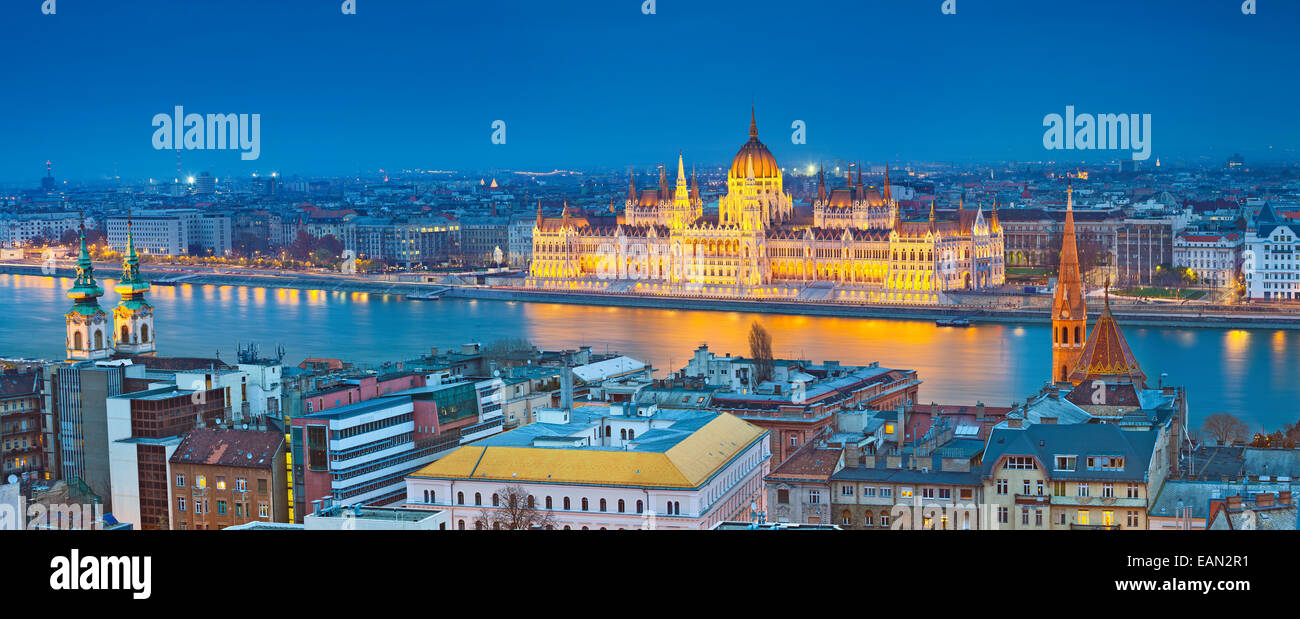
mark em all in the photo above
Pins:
pixel 1044 442
pixel 239 448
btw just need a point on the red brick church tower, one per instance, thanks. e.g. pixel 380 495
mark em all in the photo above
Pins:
pixel 1069 310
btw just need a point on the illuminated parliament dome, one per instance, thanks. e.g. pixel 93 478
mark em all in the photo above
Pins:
pixel 764 163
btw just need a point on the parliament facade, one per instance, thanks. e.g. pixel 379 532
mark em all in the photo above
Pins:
pixel 853 247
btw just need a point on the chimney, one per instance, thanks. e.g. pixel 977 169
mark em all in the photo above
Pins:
pixel 1284 498
pixel 566 388
pixel 979 411
pixel 1234 501
pixel 1264 499
pixel 852 453
pixel 1015 422
pixel 901 431
pixel 934 411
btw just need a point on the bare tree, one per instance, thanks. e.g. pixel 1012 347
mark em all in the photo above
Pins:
pixel 515 510
pixel 760 350
pixel 1225 428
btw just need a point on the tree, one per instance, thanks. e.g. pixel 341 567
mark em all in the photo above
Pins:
pixel 515 510
pixel 760 350
pixel 1225 428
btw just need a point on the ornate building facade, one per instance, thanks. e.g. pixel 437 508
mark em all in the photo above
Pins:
pixel 854 247
pixel 90 331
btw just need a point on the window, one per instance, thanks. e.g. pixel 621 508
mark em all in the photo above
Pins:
pixel 620 506
pixel 886 493
pixel 814 497
pixel 905 492
pixel 1024 516
pixel 180 481
pixel 566 504
pixel 639 506
pixel 945 493
pixel 1039 487
pixel 1083 489
pixel 869 492
pixel 261 485
pixel 1108 490
pixel 1002 486
pixel 548 502
pixel 1038 517
pixel 241 485
pixel 967 494
pixel 1133 492
pixel 478 498
pixel 201 482
pixel 1026 487
pixel 846 490
pixel 1020 463
pixel 1108 518
pixel 846 518
pixel 783 496
pixel 460 498
pixel 1133 519
pixel 866 519
pixel 221 507
pixel 1105 463
pixel 1083 517
pixel 584 504
pixel 263 511
pixel 1003 514
pixel 602 505
pixel 1065 463
pixel 884 520
pixel 927 493
pixel 180 503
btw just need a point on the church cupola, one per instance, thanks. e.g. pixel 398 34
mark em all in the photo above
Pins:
pixel 89 335
pixel 133 316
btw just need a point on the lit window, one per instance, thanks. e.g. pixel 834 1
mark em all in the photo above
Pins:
pixel 201 482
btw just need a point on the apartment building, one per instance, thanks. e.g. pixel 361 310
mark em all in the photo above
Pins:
pixel 224 477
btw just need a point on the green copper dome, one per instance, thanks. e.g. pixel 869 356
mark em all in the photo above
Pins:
pixel 85 292
pixel 132 286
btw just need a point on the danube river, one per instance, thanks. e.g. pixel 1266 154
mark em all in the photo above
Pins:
pixel 1251 373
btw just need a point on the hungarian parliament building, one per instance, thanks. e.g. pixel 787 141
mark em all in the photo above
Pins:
pixel 854 247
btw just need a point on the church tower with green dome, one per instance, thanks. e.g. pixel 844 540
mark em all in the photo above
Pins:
pixel 89 334
pixel 133 316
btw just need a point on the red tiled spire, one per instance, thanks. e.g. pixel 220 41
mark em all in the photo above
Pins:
pixel 1107 356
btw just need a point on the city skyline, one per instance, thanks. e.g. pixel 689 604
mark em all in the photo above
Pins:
pixel 583 85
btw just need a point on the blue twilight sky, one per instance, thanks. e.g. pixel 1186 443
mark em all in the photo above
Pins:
pixel 418 83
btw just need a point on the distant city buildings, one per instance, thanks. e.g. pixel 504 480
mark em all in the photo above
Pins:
pixel 1271 264
pixel 176 232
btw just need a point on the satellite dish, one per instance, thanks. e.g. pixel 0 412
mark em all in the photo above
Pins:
pixel 12 479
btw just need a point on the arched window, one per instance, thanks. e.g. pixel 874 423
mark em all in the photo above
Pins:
pixel 76 341
pixel 1077 336
pixel 460 499
pixel 548 502
pixel 607 431
pixel 639 506
pixel 631 434
pixel 426 496
pixel 144 333
pixel 566 503
pixel 602 505
pixel 478 525
pixel 125 334
pixel 99 339
pixel 532 502
pixel 478 498
pixel 622 434
pixel 584 504
pixel 846 517
pixel 567 527
pixel 496 501
pixel 460 525
pixel 620 506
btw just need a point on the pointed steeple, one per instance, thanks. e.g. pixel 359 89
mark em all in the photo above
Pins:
pixel 753 123
pixel 132 286
pixel 1069 308
pixel 859 175
pixel 961 203
pixel 885 192
pixel 932 215
pixel 994 224
pixel 1107 356
pixel 663 182
pixel 539 213
pixel 821 185
pixel 631 187
pixel 695 186
pixel 749 166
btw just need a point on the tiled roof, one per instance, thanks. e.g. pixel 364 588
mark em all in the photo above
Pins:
pixel 218 447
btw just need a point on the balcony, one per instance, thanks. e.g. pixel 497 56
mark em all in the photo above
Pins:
pixel 1094 527
pixel 1033 499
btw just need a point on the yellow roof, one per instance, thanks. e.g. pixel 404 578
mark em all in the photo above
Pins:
pixel 688 464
